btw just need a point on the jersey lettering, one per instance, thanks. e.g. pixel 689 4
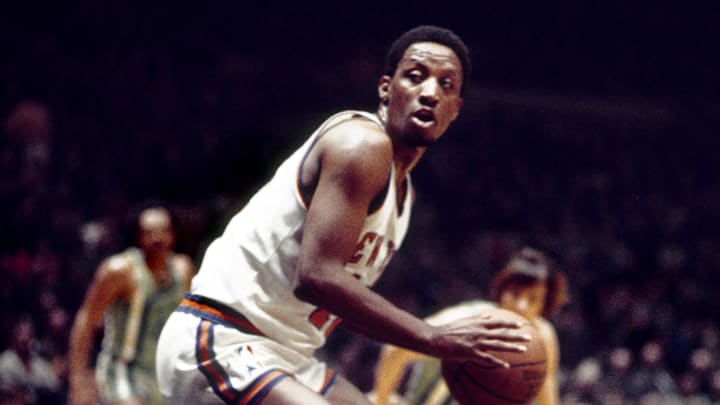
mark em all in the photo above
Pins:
pixel 375 248
pixel 360 247
pixel 375 251
pixel 321 318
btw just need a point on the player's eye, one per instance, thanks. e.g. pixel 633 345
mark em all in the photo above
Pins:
pixel 415 76
pixel 447 84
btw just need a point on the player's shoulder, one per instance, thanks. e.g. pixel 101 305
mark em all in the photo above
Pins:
pixel 547 330
pixel 184 265
pixel 117 264
pixel 357 122
pixel 116 270
pixel 358 149
pixel 182 259
pixel 358 135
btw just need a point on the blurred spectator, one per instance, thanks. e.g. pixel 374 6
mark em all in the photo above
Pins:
pixel 615 381
pixel 29 126
pixel 25 376
pixel 714 386
pixel 584 383
pixel 690 391
pixel 650 375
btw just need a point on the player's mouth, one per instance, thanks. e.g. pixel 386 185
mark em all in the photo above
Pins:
pixel 424 117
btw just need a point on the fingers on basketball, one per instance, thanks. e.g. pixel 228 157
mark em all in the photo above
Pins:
pixel 487 380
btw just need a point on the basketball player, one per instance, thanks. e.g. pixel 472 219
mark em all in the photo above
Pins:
pixel 134 291
pixel 302 254
pixel 528 285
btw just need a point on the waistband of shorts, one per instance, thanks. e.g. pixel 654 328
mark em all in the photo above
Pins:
pixel 211 310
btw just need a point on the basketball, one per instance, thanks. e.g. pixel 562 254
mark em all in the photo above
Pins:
pixel 482 382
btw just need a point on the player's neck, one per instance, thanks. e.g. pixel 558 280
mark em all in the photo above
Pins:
pixel 157 262
pixel 158 266
pixel 405 159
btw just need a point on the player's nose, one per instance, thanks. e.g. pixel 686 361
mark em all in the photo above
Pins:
pixel 429 93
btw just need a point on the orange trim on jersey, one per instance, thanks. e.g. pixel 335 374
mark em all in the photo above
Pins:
pixel 332 326
pixel 329 380
pixel 207 309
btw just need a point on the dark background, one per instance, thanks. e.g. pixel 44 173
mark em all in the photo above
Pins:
pixel 589 130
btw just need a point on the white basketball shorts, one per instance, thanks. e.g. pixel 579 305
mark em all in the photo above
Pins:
pixel 210 354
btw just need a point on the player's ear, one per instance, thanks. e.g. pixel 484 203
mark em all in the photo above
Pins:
pixel 384 89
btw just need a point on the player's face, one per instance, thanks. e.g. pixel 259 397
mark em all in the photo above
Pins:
pixel 156 234
pixel 527 300
pixel 423 96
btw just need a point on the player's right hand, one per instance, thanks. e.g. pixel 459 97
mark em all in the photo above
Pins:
pixel 473 337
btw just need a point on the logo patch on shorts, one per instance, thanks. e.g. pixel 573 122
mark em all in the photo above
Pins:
pixel 248 358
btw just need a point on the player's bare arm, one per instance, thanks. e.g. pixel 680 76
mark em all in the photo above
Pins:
pixel 113 280
pixel 354 167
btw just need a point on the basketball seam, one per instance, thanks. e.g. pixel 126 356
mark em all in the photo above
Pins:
pixel 482 386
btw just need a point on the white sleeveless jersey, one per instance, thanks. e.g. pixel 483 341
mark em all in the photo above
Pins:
pixel 252 265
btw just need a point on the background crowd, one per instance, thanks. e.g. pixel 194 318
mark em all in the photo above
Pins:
pixel 589 131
